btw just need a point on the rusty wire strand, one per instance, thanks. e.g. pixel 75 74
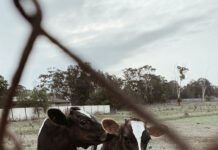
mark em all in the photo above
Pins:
pixel 213 146
pixel 16 141
pixel 120 95
pixel 35 21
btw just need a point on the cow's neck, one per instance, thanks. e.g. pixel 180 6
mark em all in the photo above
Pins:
pixel 114 144
pixel 60 137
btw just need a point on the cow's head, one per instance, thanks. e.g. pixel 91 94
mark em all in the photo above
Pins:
pixel 133 134
pixel 82 128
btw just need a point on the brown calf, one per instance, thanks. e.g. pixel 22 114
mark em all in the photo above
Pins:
pixel 77 129
pixel 132 135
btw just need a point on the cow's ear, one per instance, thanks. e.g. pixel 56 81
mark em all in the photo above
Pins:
pixel 157 131
pixel 57 116
pixel 111 126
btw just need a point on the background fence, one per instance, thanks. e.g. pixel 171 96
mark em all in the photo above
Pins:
pixel 191 100
pixel 28 113
pixel 119 95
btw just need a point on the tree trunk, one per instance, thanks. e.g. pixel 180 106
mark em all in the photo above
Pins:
pixel 178 96
pixel 38 113
pixel 12 115
pixel 25 112
pixel 203 93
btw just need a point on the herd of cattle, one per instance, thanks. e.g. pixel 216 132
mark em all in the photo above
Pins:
pixel 80 129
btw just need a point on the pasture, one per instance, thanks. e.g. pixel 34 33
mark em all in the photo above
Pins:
pixel 197 123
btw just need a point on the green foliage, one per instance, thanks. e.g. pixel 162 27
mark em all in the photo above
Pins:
pixel 179 100
pixel 100 96
pixel 194 89
pixel 182 71
pixel 39 98
pixel 3 88
pixel 164 98
pixel 76 86
pixel 23 99
pixel 73 85
pixel 172 89
pixel 209 98
pixel 144 84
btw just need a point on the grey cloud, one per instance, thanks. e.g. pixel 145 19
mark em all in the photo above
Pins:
pixel 141 28
pixel 112 48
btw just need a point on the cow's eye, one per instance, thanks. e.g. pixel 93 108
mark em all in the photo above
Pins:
pixel 126 138
pixel 82 122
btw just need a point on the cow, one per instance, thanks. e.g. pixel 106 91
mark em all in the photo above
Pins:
pixel 132 135
pixel 67 132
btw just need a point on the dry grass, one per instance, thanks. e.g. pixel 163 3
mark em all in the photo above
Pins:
pixel 196 122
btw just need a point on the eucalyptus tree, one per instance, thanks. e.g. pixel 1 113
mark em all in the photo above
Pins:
pixel 39 99
pixel 182 70
pixel 204 83
pixel 73 85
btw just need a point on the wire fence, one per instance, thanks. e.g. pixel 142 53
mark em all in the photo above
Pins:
pixel 36 31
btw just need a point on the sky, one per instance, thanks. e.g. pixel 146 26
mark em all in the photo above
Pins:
pixel 114 35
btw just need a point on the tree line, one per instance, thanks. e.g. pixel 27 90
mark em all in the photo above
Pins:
pixel 76 86
pixel 37 98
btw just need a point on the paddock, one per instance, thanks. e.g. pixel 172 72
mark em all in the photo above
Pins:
pixel 197 123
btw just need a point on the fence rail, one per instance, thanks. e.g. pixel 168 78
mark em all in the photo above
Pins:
pixel 29 113
pixel 37 30
pixel 192 100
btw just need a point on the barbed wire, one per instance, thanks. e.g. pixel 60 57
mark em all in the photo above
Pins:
pixel 122 97
pixel 35 21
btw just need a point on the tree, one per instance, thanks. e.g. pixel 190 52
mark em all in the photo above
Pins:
pixel 3 87
pixel 74 84
pixel 137 82
pixel 204 83
pixel 173 85
pixel 100 96
pixel 191 90
pixel 23 98
pixel 199 88
pixel 79 85
pixel 182 71
pixel 144 84
pixel 131 81
pixel 54 82
pixel 40 98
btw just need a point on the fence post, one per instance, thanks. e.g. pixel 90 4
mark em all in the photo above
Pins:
pixel 12 116
pixel 25 112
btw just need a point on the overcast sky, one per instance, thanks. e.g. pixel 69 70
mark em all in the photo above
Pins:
pixel 113 35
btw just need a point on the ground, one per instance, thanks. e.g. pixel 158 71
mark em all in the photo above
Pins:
pixel 197 123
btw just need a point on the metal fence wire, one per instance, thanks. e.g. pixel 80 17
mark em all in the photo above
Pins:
pixel 37 30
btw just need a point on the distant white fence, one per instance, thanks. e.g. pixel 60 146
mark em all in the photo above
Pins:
pixel 20 114
pixel 192 100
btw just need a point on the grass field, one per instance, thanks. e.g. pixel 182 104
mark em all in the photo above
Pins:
pixel 197 123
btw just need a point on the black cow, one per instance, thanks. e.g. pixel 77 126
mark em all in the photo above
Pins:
pixel 77 129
